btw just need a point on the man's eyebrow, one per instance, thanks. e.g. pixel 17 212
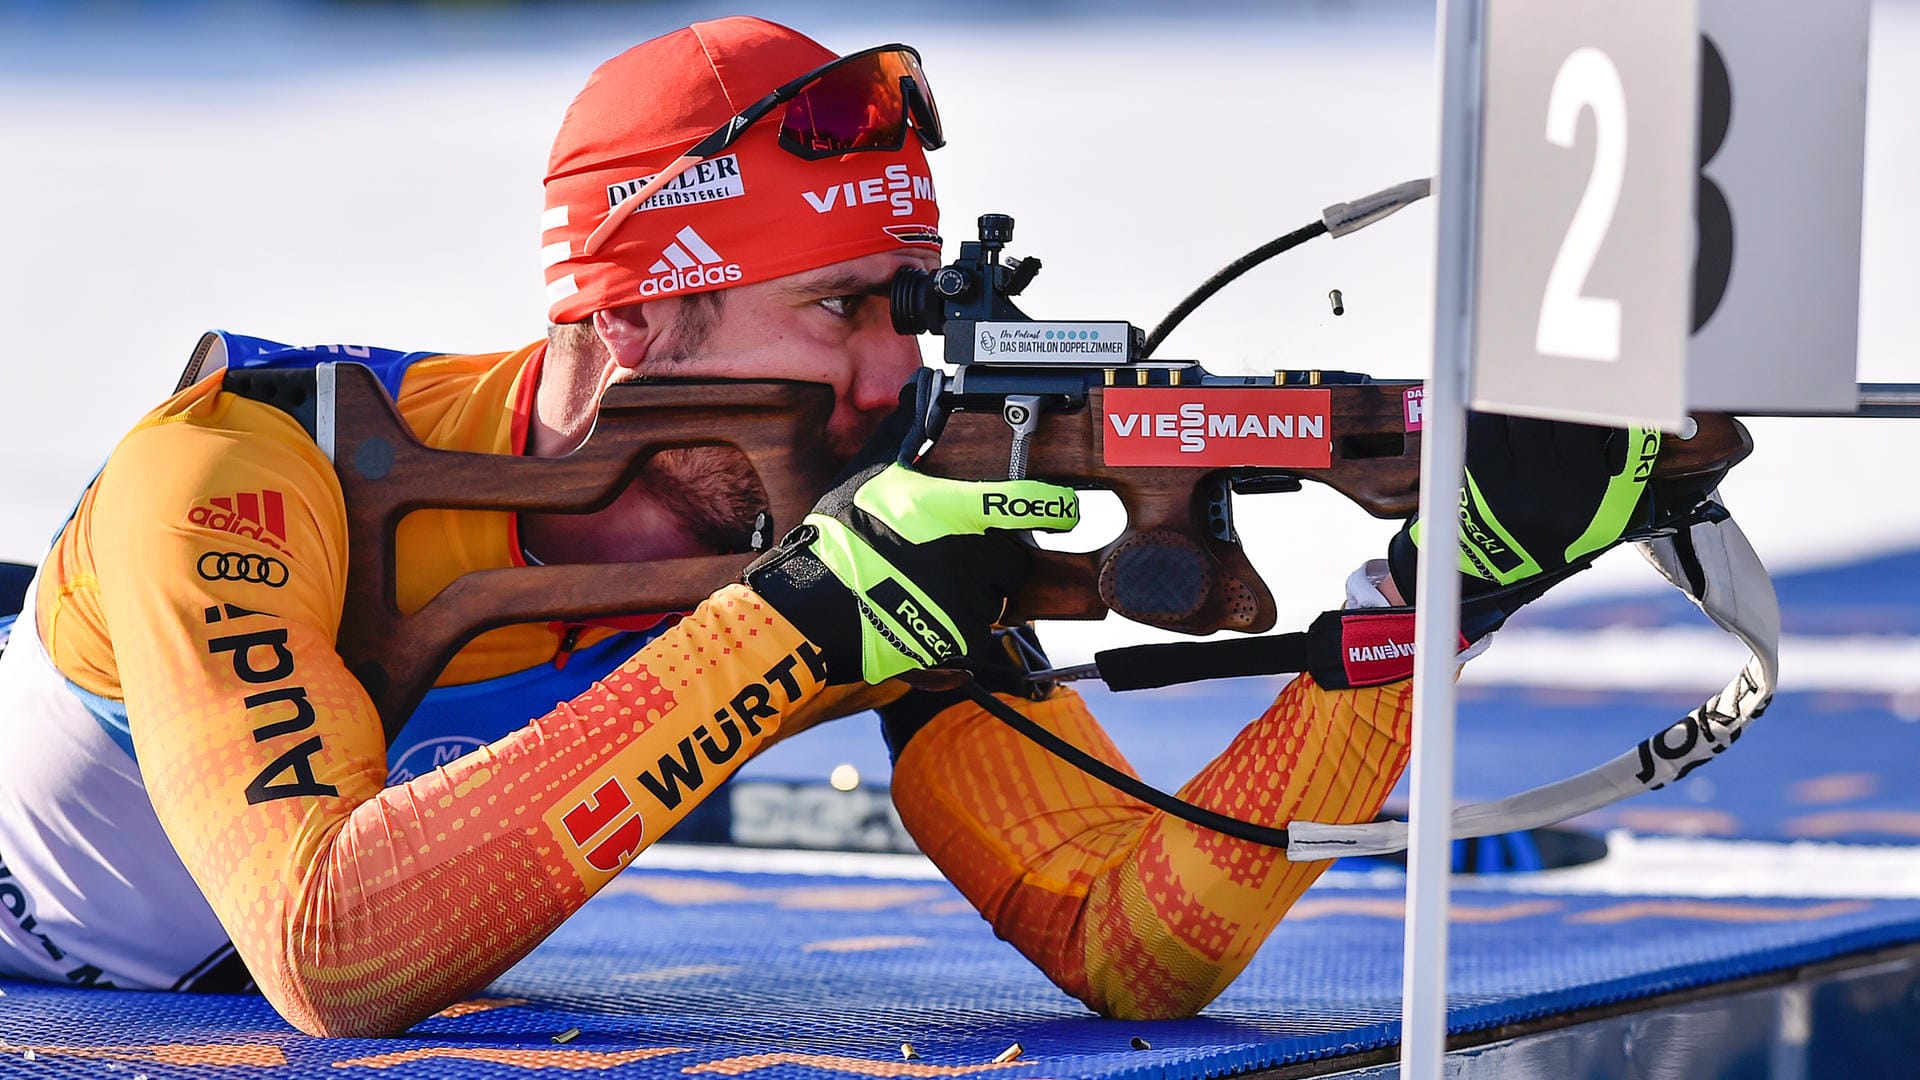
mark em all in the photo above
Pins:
pixel 842 283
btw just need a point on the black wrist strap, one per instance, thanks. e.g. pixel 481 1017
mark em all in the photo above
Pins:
pixel 1352 647
pixel 1342 650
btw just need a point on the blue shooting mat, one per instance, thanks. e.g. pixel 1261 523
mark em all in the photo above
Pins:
pixel 672 974
pixel 682 973
pixel 1878 595
pixel 1819 766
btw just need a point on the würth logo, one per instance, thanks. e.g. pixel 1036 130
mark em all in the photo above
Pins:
pixel 257 515
pixel 688 263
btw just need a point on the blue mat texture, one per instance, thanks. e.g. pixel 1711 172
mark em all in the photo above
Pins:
pixel 1820 766
pixel 677 974
pixel 684 974
pixel 1877 595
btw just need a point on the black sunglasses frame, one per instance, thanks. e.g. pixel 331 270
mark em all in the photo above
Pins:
pixel 916 98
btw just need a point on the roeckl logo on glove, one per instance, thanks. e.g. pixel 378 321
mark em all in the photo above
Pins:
pixel 1481 544
pixel 891 598
pixel 1649 452
pixel 997 502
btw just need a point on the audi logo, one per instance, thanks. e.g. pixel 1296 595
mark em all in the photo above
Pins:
pixel 239 566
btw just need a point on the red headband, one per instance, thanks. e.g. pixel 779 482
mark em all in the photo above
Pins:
pixel 751 214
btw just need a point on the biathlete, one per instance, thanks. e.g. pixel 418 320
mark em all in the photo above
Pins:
pixel 197 795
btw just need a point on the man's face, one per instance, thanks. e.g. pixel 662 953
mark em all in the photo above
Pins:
pixel 829 325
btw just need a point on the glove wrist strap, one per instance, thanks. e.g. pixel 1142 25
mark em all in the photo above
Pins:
pixel 1341 650
pixel 801 589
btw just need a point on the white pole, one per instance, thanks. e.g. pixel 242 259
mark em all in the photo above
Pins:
pixel 1423 1015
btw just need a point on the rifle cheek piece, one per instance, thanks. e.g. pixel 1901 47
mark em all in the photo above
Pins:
pixel 1164 579
pixel 1155 578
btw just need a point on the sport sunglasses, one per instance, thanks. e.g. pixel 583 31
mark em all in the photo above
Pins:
pixel 859 102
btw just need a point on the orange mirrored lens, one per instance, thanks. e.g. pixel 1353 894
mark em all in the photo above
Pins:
pixel 853 106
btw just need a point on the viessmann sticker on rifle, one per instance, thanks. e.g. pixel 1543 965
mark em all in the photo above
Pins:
pixel 1194 426
pixel 1102 343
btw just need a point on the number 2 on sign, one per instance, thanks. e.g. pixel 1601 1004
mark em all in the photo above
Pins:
pixel 1572 323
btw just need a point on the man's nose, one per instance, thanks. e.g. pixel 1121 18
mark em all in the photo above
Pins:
pixel 882 365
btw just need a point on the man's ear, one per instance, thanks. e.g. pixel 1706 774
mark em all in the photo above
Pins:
pixel 627 332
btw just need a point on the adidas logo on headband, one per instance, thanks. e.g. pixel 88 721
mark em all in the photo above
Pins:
pixel 688 263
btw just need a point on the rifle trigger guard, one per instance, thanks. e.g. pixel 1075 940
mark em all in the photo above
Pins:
pixel 1022 414
pixel 928 417
pixel 1219 491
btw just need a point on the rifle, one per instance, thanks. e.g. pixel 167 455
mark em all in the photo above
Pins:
pixel 1078 403
pixel 1046 398
pixel 1083 403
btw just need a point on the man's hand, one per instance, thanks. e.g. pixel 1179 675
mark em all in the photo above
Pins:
pixel 895 570
pixel 1539 495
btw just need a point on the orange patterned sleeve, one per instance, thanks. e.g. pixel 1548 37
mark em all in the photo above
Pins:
pixel 361 909
pixel 1134 911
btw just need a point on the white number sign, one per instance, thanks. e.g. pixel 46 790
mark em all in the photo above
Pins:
pixel 1571 322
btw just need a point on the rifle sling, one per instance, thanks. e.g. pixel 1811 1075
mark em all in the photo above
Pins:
pixel 1706 557
pixel 1713 563
pixel 1342 650
pixel 1350 648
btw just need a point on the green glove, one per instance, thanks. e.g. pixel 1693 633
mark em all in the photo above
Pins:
pixel 1539 495
pixel 895 570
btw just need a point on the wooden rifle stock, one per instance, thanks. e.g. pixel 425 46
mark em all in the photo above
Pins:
pixel 1178 564
pixel 386 474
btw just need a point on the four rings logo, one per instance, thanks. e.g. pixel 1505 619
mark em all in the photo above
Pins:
pixel 239 566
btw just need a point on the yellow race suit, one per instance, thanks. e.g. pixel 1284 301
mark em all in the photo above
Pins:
pixel 216 771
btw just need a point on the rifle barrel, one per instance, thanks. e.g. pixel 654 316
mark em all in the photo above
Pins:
pixel 1882 399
